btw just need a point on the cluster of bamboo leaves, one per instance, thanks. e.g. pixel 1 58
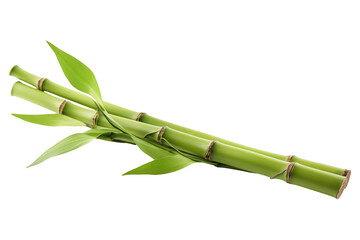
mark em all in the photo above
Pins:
pixel 165 159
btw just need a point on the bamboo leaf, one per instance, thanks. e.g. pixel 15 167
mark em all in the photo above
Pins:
pixel 162 165
pixel 70 143
pixel 78 74
pixel 110 120
pixel 83 79
pixel 50 119
pixel 164 161
pixel 150 149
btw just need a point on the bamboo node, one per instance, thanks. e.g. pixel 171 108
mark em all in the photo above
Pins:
pixel 139 116
pixel 149 133
pixel 288 170
pixel 61 107
pixel 95 118
pixel 209 150
pixel 40 83
pixel 160 135
pixel 288 159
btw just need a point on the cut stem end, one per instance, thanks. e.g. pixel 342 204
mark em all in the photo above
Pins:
pixel 347 174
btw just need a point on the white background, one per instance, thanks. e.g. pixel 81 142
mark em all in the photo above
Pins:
pixel 282 76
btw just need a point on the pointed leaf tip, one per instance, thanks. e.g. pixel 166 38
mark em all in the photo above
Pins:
pixel 69 143
pixel 49 43
pixel 30 166
pixel 162 166
pixel 49 119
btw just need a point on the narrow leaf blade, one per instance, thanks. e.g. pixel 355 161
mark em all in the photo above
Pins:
pixel 110 120
pixel 151 150
pixel 50 119
pixel 164 161
pixel 78 74
pixel 69 143
pixel 162 166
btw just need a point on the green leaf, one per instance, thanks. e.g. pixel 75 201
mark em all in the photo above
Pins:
pixel 163 165
pixel 110 120
pixel 83 79
pixel 78 74
pixel 164 161
pixel 150 149
pixel 50 119
pixel 70 143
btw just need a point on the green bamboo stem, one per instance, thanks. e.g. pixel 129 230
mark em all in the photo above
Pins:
pixel 317 180
pixel 82 99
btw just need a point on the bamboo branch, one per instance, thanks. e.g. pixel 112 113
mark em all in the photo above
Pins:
pixel 311 178
pixel 49 86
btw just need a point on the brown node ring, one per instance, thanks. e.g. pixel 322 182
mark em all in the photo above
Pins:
pixel 95 118
pixel 161 133
pixel 40 83
pixel 139 116
pixel 288 170
pixel 288 159
pixel 61 107
pixel 209 150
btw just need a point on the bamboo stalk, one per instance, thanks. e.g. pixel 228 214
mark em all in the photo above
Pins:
pixel 82 99
pixel 311 178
